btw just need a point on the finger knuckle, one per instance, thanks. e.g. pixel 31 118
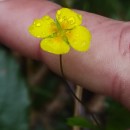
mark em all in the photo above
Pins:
pixel 124 42
pixel 116 89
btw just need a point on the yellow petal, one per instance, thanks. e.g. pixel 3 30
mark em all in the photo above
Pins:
pixel 68 19
pixel 54 45
pixel 79 38
pixel 43 27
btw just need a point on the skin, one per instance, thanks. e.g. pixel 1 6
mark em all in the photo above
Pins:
pixel 104 69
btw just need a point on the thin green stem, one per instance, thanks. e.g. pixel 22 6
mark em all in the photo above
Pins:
pixel 73 94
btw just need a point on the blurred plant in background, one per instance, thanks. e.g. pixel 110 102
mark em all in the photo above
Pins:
pixel 34 98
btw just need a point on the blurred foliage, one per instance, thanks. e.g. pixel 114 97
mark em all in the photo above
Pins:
pixel 118 117
pixel 32 97
pixel 14 101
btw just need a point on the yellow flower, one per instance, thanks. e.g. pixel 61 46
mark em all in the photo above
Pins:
pixel 59 34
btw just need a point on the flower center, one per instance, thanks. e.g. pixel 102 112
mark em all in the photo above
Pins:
pixel 60 32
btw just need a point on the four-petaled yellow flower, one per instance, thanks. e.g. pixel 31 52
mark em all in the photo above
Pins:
pixel 61 33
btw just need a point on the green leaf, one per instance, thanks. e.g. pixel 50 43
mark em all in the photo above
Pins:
pixel 118 117
pixel 80 121
pixel 14 100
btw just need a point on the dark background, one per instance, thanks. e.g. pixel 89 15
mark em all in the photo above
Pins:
pixel 32 97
